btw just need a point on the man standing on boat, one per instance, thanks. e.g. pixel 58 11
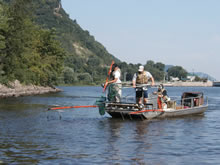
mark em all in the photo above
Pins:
pixel 139 80
pixel 114 89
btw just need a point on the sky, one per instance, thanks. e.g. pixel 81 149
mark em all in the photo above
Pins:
pixel 175 32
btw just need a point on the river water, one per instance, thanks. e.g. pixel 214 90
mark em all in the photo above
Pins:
pixel 29 134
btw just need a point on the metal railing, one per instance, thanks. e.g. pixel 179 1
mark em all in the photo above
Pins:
pixel 191 102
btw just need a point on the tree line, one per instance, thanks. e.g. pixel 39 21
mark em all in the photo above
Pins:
pixel 158 70
pixel 35 53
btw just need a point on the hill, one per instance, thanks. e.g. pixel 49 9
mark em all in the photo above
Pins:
pixel 80 59
pixel 87 60
pixel 203 75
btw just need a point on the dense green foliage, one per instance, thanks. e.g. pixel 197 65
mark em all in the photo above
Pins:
pixel 156 69
pixel 177 71
pixel 28 53
pixel 3 25
pixel 3 30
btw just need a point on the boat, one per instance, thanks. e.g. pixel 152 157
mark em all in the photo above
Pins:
pixel 191 103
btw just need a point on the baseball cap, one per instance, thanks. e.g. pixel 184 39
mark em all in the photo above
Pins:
pixel 141 68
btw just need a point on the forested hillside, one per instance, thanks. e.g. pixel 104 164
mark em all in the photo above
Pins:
pixel 27 23
pixel 40 44
pixel 87 60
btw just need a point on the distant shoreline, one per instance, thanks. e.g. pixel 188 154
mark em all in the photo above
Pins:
pixel 189 84
pixel 16 89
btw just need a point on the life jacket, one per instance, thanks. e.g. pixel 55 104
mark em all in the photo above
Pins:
pixel 142 78
pixel 159 103
pixel 164 98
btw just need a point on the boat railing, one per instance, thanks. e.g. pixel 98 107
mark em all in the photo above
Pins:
pixel 138 86
pixel 190 102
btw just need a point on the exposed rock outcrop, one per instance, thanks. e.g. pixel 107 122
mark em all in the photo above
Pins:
pixel 57 10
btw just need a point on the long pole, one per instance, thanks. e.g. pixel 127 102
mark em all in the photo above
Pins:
pixel 109 72
pixel 68 107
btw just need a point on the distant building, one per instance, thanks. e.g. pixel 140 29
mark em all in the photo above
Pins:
pixel 191 78
pixel 174 79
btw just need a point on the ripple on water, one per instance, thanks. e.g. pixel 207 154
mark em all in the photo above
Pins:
pixel 29 134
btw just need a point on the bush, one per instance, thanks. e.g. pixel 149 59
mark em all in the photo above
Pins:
pixel 85 77
pixel 69 76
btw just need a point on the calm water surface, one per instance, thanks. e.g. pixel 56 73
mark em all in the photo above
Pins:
pixel 29 134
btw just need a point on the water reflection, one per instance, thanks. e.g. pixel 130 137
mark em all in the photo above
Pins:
pixel 142 141
pixel 113 140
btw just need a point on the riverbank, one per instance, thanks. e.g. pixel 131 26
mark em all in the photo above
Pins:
pixel 16 89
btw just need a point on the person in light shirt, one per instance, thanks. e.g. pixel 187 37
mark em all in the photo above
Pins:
pixel 141 78
pixel 115 87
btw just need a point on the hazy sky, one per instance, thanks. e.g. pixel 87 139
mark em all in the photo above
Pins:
pixel 174 32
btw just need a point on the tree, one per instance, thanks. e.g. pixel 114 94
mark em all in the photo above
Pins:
pixel 31 54
pixel 160 66
pixel 157 70
pixel 3 31
pixel 85 77
pixel 51 56
pixel 93 61
pixel 69 76
pixel 3 26
pixel 150 64
pixel 18 39
pixel 177 71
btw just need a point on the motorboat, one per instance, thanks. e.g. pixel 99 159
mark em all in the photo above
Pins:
pixel 190 103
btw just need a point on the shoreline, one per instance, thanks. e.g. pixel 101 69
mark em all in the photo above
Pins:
pixel 189 84
pixel 16 89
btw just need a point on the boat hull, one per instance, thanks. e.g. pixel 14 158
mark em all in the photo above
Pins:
pixel 191 103
pixel 118 113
